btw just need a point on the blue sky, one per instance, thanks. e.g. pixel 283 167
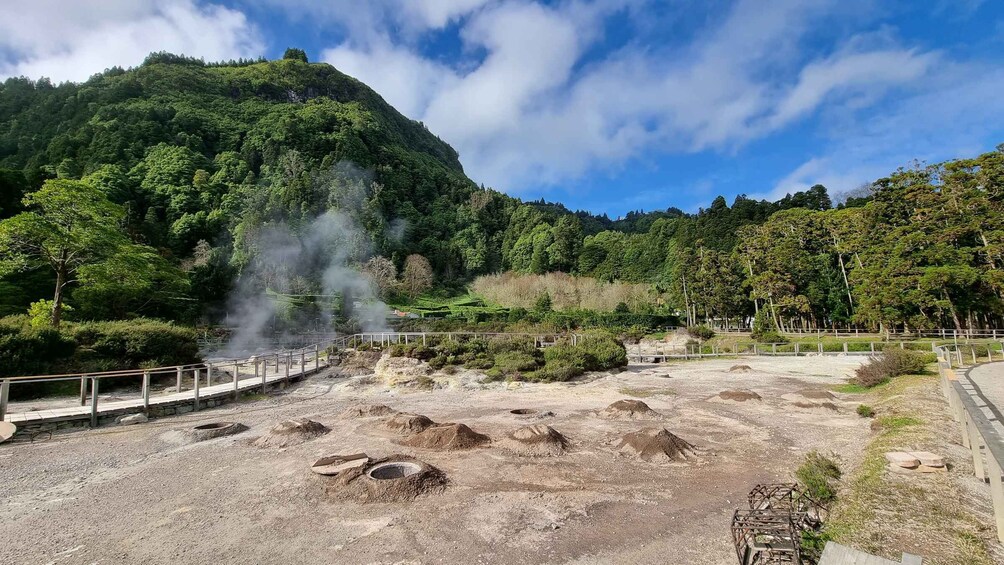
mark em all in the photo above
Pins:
pixel 606 105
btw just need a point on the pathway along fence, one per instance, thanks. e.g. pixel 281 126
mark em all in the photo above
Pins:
pixel 263 368
pixel 640 354
pixel 977 430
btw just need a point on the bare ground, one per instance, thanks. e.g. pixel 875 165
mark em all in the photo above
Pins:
pixel 136 495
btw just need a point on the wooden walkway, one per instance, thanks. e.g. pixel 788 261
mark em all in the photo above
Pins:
pixel 198 397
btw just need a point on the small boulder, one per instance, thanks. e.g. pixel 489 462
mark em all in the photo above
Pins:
pixel 132 419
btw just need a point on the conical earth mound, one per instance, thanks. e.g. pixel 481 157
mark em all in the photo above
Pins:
pixel 291 432
pixel 368 410
pixel 628 409
pixel 398 478
pixel 656 445
pixel 535 441
pixel 448 437
pixel 404 423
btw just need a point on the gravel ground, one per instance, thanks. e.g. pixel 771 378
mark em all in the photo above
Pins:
pixel 137 495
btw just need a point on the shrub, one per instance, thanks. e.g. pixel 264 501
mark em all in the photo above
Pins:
pixel 865 411
pixel 818 475
pixel 513 362
pixel 892 363
pixel 480 362
pixel 139 341
pixel 622 308
pixel 607 351
pixel 558 370
pixel 772 337
pixel 543 303
pixel 27 350
pixel 438 362
pixel 701 332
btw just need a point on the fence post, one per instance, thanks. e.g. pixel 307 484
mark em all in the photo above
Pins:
pixel 773 349
pixel 237 373
pixel 997 495
pixel 262 374
pixel 94 402
pixel 958 350
pixel 303 365
pixel 146 391
pixel 973 351
pixel 796 349
pixel 820 347
pixel 4 394
pixel 871 346
pixel 195 389
pixel 423 338
pixel 289 360
pixel 209 374
pixel 845 348
pixel 83 390
pixel 178 389
pixel 975 443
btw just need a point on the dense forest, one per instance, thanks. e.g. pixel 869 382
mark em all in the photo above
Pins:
pixel 188 168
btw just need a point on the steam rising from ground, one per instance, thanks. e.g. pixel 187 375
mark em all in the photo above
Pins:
pixel 299 278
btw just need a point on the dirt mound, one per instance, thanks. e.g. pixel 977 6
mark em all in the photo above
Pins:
pixel 740 369
pixel 816 394
pixel 535 441
pixel 367 411
pixel 291 432
pixel 818 405
pixel 628 409
pixel 738 395
pixel 656 445
pixel 448 437
pixel 398 478
pixel 405 423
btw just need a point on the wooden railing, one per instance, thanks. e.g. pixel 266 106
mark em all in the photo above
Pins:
pixel 977 431
pixel 258 366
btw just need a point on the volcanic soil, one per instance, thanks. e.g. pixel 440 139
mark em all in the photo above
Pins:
pixel 132 495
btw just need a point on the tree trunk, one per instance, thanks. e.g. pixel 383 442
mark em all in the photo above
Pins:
pixel 57 299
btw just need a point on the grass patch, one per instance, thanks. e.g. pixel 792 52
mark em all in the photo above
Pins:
pixel 883 513
pixel 851 388
pixel 252 397
pixel 646 392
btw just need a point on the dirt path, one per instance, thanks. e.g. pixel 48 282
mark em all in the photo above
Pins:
pixel 135 495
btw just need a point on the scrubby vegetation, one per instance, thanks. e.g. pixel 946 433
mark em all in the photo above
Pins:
pixel 90 347
pixel 818 475
pixel 565 292
pixel 893 362
pixel 518 358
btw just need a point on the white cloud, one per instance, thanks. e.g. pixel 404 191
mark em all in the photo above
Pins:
pixel 535 107
pixel 74 40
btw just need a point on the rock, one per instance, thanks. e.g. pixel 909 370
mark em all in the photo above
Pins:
pixel 395 371
pixel 131 419
pixel 928 459
pixel 902 459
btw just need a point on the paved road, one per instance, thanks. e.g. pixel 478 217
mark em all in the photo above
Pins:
pixel 989 382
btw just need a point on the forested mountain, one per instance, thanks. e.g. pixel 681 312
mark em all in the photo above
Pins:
pixel 202 160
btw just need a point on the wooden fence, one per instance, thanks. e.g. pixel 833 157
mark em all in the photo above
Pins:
pixel 976 428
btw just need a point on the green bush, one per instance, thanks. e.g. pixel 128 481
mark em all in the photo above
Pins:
pixel 701 332
pixel 514 362
pixel 865 411
pixel 558 370
pixel 892 363
pixel 607 351
pixel 139 342
pixel 771 337
pixel 27 350
pixel 438 362
pixel 818 475
pixel 480 362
